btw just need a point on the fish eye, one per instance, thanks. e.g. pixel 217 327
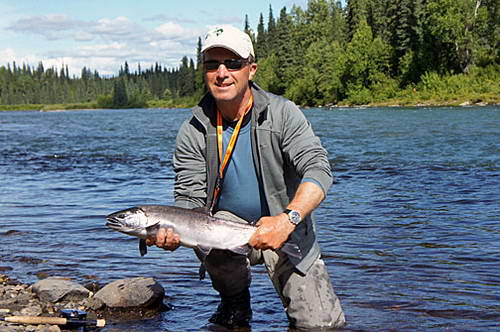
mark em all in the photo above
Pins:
pixel 122 216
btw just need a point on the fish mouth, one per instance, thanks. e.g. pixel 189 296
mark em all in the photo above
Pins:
pixel 113 222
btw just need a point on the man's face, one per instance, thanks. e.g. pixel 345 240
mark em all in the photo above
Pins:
pixel 228 85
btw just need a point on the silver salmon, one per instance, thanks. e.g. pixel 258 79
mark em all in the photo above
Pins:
pixel 196 229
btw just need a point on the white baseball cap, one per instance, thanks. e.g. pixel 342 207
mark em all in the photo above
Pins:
pixel 231 38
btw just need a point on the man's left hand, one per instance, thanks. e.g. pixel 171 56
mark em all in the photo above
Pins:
pixel 272 232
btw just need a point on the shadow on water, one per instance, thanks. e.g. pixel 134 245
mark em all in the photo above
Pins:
pixel 409 230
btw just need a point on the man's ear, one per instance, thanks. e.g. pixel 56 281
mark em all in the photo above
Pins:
pixel 253 71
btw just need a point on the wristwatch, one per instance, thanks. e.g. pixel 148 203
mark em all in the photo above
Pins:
pixel 293 216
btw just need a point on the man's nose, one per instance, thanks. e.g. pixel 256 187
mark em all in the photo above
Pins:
pixel 222 70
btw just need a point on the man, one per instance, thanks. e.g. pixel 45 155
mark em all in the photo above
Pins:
pixel 251 156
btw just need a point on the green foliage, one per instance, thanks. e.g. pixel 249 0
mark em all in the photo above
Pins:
pixel 357 11
pixel 320 82
pixel 186 81
pixel 21 107
pixel 261 41
pixel 104 101
pixel 359 96
pixel 27 86
pixel 370 51
pixel 137 100
pixel 167 94
pixel 120 98
pixel 267 75
pixel 479 80
pixel 457 26
pixel 367 60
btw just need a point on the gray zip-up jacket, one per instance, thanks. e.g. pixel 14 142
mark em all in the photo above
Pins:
pixel 285 151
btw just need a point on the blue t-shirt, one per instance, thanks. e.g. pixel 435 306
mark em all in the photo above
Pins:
pixel 242 192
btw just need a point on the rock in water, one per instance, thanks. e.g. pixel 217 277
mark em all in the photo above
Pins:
pixel 133 292
pixel 55 290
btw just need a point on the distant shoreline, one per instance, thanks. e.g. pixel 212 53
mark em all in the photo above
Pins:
pixel 395 104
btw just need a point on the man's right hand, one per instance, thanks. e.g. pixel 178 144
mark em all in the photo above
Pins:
pixel 165 239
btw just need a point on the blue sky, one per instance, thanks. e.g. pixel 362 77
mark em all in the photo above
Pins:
pixel 103 34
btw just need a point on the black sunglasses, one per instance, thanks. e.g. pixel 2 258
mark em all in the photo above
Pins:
pixel 230 64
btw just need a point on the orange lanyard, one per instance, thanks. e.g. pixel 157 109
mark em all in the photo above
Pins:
pixel 229 150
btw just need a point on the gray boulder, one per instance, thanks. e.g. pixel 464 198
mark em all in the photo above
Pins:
pixel 129 293
pixel 55 290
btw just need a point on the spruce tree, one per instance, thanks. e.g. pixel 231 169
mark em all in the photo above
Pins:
pixel 283 50
pixel 401 24
pixel 120 98
pixel 199 80
pixel 248 30
pixel 184 87
pixel 357 11
pixel 271 37
pixel 260 44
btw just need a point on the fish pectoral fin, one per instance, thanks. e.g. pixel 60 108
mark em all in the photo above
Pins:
pixel 204 250
pixel 202 271
pixel 202 253
pixel 242 250
pixel 143 248
pixel 152 226
pixel 292 250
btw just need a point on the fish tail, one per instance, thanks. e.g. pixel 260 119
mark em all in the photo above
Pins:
pixel 292 250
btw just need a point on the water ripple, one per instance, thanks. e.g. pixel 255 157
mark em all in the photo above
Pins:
pixel 409 230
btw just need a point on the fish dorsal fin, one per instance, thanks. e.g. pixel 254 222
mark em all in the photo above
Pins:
pixel 143 248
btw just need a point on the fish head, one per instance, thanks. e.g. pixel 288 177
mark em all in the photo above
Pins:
pixel 131 221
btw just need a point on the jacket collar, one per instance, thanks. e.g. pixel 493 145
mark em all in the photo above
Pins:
pixel 205 111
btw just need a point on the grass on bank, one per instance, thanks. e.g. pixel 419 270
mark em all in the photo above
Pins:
pixel 480 86
pixel 106 102
pixel 47 107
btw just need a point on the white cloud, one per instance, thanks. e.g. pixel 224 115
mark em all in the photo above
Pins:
pixel 162 18
pixel 52 26
pixel 172 49
pixel 119 27
pixel 75 65
pixel 100 50
pixel 8 55
pixel 83 36
pixel 171 30
pixel 59 26
pixel 103 44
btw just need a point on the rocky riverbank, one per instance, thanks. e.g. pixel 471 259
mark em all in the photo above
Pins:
pixel 120 300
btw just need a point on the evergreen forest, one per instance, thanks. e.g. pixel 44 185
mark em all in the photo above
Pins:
pixel 367 52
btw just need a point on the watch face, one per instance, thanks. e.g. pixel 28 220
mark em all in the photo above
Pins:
pixel 294 217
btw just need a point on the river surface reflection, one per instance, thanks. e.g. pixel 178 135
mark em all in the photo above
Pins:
pixel 409 231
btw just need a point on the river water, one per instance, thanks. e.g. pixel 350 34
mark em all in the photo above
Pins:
pixel 410 229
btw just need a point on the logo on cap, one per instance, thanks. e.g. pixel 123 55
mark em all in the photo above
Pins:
pixel 230 38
